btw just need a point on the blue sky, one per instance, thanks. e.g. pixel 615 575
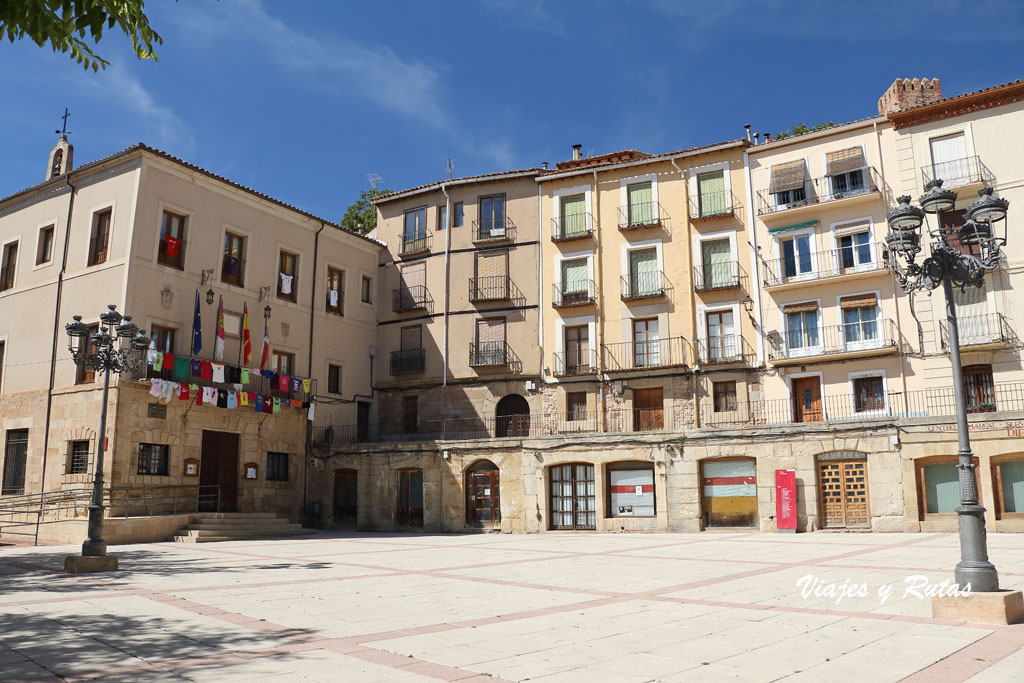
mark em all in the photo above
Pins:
pixel 301 100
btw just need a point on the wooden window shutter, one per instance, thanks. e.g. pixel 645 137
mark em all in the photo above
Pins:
pixel 852 228
pixel 412 338
pixel 414 274
pixel 491 264
pixel 800 308
pixel 844 161
pixel 858 301
pixel 490 330
pixel 787 176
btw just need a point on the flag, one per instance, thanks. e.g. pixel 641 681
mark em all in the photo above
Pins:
pixel 265 357
pixel 218 343
pixel 197 330
pixel 246 343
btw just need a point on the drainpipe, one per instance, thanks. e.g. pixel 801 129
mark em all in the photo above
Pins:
pixel 693 293
pixel 447 280
pixel 754 258
pixel 599 286
pixel 308 450
pixel 56 330
pixel 540 284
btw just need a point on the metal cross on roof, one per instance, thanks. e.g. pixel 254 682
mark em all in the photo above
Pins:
pixel 64 128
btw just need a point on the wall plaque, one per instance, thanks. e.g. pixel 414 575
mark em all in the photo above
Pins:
pixel 158 411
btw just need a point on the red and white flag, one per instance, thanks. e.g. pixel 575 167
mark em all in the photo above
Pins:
pixel 218 343
pixel 265 358
pixel 246 343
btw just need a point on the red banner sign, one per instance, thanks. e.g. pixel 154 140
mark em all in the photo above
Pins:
pixel 785 500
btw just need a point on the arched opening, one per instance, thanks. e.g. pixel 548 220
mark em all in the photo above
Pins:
pixel 729 492
pixel 512 416
pixel 483 500
pixel 346 501
pixel 843 490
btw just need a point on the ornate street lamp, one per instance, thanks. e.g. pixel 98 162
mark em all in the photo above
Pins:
pixel 118 346
pixel 958 258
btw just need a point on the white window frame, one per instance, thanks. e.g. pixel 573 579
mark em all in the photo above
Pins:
pixel 246 272
pixel 181 211
pixel 643 245
pixel 771 196
pixel 821 392
pixel 573 256
pixel 702 328
pixel 624 184
pixel 812 274
pixel 923 145
pixel 561 323
pixel 55 223
pixel 861 374
pixel 875 255
pixel 296 279
pixel 103 206
pixel 17 262
pixel 694 171
pixel 585 190
pixel 863 155
pixel 862 345
pixel 784 326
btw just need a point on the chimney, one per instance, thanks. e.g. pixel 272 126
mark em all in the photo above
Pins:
pixel 544 165
pixel 767 138
pixel 747 126
pixel 577 153
pixel 757 138
pixel 906 94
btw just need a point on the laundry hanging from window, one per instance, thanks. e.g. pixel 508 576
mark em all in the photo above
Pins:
pixel 286 283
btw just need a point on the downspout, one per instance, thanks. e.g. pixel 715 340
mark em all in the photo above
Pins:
pixel 599 285
pixel 56 329
pixel 540 285
pixel 754 258
pixel 693 293
pixel 309 367
pixel 447 280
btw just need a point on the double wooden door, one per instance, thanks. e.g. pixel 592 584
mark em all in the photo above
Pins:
pixel 648 413
pixel 483 501
pixel 219 466
pixel 844 494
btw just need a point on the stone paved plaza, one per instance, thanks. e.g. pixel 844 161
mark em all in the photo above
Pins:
pixel 546 607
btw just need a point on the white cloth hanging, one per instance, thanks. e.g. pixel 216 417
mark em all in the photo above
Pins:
pixel 332 297
pixel 286 284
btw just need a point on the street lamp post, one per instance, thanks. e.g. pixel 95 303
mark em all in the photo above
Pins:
pixel 118 346
pixel 958 258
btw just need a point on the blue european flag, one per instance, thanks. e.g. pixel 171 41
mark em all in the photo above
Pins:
pixel 197 330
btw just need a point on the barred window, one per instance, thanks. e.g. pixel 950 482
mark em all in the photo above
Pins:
pixel 153 458
pixel 78 457
pixel 277 467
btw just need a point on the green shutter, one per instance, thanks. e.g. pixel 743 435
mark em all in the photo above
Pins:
pixel 1012 475
pixel 942 488
pixel 574 215
pixel 641 204
pixel 717 263
pixel 711 189
pixel 574 276
pixel 643 270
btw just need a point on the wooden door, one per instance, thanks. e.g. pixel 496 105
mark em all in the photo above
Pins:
pixel 362 421
pixel 346 498
pixel 410 498
pixel 844 494
pixel 483 503
pixel 219 466
pixel 648 413
pixel 807 400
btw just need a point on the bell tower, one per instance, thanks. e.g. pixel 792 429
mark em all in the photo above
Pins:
pixel 62 153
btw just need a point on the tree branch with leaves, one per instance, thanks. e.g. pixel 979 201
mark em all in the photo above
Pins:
pixel 361 217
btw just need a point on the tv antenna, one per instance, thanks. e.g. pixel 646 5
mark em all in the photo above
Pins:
pixel 449 165
pixel 374 178
pixel 63 132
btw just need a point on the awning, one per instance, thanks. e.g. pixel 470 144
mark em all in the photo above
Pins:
pixel 859 301
pixel 800 308
pixel 808 224
pixel 844 161
pixel 787 176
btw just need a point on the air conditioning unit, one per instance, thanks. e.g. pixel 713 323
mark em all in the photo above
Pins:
pixel 531 385
pixel 314 463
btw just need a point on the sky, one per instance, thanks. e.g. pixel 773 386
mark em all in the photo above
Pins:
pixel 303 99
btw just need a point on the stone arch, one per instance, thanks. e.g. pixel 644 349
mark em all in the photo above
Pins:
pixel 483 494
pixel 512 416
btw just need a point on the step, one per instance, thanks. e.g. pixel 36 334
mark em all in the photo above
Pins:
pixel 239 515
pixel 197 537
pixel 202 533
pixel 241 529
pixel 242 524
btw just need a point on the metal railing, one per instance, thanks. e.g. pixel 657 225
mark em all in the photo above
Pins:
pixel 712 276
pixel 978 330
pixel 642 285
pixel 259 384
pixel 958 172
pixel 571 294
pixel 655 353
pixel 575 363
pixel 817 265
pixel 408 361
pixel 727 348
pixel 415 243
pixel 488 354
pixel 821 190
pixel 490 288
pixel 412 298
pixel 494 230
pixel 711 205
pixel 572 227
pixel 642 215
pixel 825 340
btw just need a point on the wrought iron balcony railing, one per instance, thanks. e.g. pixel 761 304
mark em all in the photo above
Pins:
pixel 494 230
pixel 726 348
pixel 572 227
pixel 572 294
pixel 643 285
pixel 490 288
pixel 642 215
pixel 875 335
pixel 412 298
pixel 712 276
pixel 669 352
pixel 818 265
pixel 858 182
pixel 415 243
pixel 958 172
pixel 408 361
pixel 980 330
pixel 575 363
pixel 489 354
pixel 707 205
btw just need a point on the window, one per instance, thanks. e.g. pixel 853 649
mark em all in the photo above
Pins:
pixel 8 265
pixel 576 405
pixel 646 346
pixel 644 277
pixel 100 237
pixel 335 291
pixel 285 362
pixel 414 234
pixel 854 250
pixel 287 280
pixel 724 396
pixel 3 347
pixel 44 245
pixel 277 466
pixel 980 389
pixel 1010 487
pixel 714 201
pixel 459 215
pixel 796 256
pixel 442 217
pixel 949 159
pixel 852 181
pixel 786 197
pixel 719 269
pixel 83 374
pixel 365 293
pixel 845 169
pixel 577 349
pixel 410 414
pixel 573 216
pixel 722 342
pixel 640 210
pixel 162 338
pixel 15 459
pixel 492 216
pixel 941 488
pixel 630 490
pixel 153 459
pixel 860 319
pixel 412 337
pixel 78 458
pixel 233 262
pixel 333 379
pixel 573 504
pixel 788 184
pixel 868 394
pixel 575 280
pixel 801 327
pixel 490 342
pixel 952 221
pixel 172 241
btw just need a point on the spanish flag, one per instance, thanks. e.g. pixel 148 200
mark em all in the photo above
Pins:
pixel 246 343
pixel 218 342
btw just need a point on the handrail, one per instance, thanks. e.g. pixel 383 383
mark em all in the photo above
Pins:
pixel 958 172
pixel 494 230
pixel 640 215
pixel 859 181
pixel 816 265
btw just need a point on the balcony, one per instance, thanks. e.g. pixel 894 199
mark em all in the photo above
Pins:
pixel 573 227
pixel 642 216
pixel 958 173
pixel 416 243
pixel 861 260
pixel 494 230
pixel 670 352
pixel 408 361
pixel 725 350
pixel 415 298
pixel 576 363
pixel 979 332
pixel 862 183
pixel 710 205
pixel 638 286
pixel 492 354
pixel 715 276
pixel 813 344
pixel 490 288
pixel 572 294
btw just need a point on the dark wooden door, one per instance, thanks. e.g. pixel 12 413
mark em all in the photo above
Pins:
pixel 219 466
pixel 807 400
pixel 483 504
pixel 844 494
pixel 647 409
pixel 346 499
pixel 410 498
pixel 362 421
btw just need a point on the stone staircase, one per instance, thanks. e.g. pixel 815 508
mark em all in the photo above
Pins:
pixel 229 526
